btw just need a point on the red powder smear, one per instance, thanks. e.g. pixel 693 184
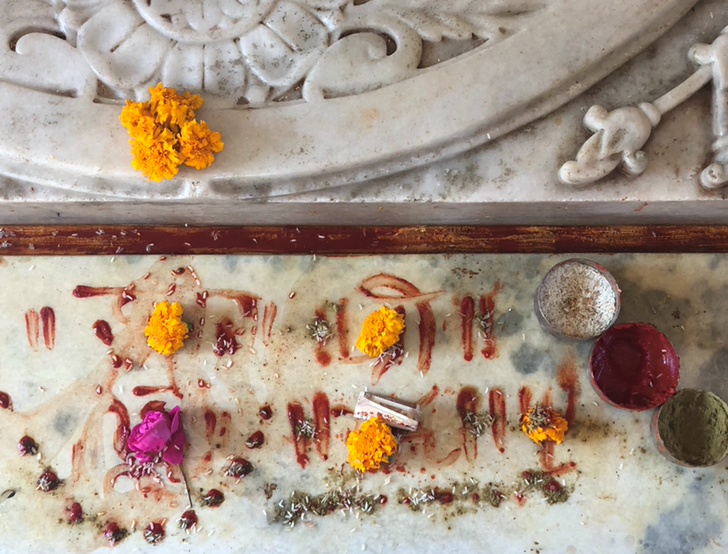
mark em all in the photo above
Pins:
pixel 524 399
pixel 634 366
pixel 468 401
pixel 269 317
pixel 322 357
pixel 497 405
pixel 48 317
pixel 429 397
pixel 487 310
pixel 321 415
pixel 342 328
pixel 568 378
pixel 32 328
pixel 301 442
pixel 467 314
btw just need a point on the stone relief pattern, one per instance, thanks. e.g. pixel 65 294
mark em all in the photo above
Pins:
pixel 239 51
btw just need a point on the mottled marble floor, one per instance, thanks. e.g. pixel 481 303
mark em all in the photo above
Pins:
pixel 623 497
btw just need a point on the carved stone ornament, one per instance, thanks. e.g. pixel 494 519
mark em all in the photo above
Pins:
pixel 308 94
pixel 620 134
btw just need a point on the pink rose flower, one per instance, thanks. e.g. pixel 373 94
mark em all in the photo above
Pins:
pixel 159 432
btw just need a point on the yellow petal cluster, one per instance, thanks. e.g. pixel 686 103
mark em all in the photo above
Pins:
pixel 542 424
pixel 166 332
pixel 372 445
pixel 381 329
pixel 165 134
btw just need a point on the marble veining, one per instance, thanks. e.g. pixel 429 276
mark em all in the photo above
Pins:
pixel 622 495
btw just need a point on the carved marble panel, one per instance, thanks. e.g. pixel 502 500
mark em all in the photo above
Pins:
pixel 308 94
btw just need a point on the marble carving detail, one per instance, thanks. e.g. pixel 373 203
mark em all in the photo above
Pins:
pixel 620 134
pixel 248 52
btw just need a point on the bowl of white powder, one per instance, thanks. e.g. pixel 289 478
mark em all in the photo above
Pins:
pixel 577 299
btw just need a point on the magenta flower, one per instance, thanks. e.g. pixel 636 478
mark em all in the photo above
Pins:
pixel 158 433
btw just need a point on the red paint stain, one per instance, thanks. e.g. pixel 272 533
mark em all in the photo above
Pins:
pixel 524 399
pixel 5 402
pixel 123 427
pixel 152 406
pixel 467 314
pixel 497 406
pixel 48 318
pixel 342 328
pixel 296 419
pixel 487 312
pixel 210 423
pixel 102 329
pixel 266 412
pixel 84 291
pixel 428 330
pixel 225 338
pixel 32 328
pixel 321 415
pixel 568 379
pixel 340 409
pixel 468 401
pixel 269 316
pixel 429 397
pixel 143 390
pixel 202 298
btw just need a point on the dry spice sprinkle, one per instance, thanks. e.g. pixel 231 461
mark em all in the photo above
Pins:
pixel 372 445
pixel 165 134
pixel 542 424
pixel 166 332
pixel 381 329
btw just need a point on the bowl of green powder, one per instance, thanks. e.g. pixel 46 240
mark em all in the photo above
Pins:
pixel 691 428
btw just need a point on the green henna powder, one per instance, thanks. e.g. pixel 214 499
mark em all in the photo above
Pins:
pixel 693 426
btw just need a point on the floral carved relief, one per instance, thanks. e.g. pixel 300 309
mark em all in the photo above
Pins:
pixel 244 52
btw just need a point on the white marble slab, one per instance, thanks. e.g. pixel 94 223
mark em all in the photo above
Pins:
pixel 624 497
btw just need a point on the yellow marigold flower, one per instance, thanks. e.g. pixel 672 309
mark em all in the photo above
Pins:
pixel 372 445
pixel 138 119
pixel 542 424
pixel 198 143
pixel 166 331
pixel 171 107
pixel 156 156
pixel 380 330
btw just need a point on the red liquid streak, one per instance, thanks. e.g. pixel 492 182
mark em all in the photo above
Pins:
pixel 296 419
pixel 269 316
pixel 84 291
pixel 497 405
pixel 226 343
pixel 123 428
pixel 487 310
pixel 467 314
pixel 468 401
pixel 429 397
pixel 146 391
pixel 322 357
pixel 32 328
pixel 428 330
pixel 77 463
pixel 5 401
pixel 342 328
pixel 429 444
pixel 321 414
pixel 152 406
pixel 48 318
pixel 524 399
pixel 568 379
pixel 339 410
pixel 210 423
pixel 103 331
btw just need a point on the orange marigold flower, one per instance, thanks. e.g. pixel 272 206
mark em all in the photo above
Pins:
pixel 381 329
pixel 138 119
pixel 372 445
pixel 166 332
pixel 171 107
pixel 156 156
pixel 198 143
pixel 542 424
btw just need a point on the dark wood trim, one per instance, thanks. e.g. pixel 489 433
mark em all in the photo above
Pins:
pixel 164 239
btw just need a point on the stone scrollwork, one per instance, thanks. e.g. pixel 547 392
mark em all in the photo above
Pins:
pixel 620 134
pixel 239 52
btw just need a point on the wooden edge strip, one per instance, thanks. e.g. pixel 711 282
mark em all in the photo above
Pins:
pixel 163 239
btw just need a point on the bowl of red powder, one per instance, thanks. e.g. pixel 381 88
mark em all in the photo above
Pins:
pixel 634 366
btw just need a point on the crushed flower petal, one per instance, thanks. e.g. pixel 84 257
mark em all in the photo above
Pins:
pixel 543 423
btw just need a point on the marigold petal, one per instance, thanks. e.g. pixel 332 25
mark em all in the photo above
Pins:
pixel 166 331
pixel 380 330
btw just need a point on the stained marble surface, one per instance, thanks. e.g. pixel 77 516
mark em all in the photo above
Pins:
pixel 623 496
